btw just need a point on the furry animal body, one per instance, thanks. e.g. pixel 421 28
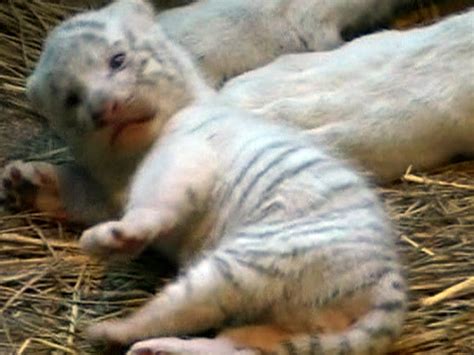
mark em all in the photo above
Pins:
pixel 282 246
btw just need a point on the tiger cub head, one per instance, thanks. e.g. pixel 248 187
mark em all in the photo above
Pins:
pixel 110 76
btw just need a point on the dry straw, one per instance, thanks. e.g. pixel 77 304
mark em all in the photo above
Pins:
pixel 49 291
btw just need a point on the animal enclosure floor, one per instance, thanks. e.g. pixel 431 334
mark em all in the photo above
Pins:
pixel 49 290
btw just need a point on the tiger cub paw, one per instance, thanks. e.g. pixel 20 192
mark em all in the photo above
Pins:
pixel 196 346
pixel 113 240
pixel 31 185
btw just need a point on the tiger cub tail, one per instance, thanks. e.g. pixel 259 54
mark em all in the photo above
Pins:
pixel 370 334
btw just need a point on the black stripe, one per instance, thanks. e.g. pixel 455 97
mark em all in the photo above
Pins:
pixel 89 37
pixel 343 187
pixel 284 176
pixel 303 42
pixel 206 123
pixel 334 295
pixel 131 39
pixel 290 348
pixel 263 213
pixel 282 226
pixel 260 269
pixel 332 191
pixel 278 159
pixel 378 275
pixel 345 346
pixel 224 269
pixel 315 345
pixel 143 63
pixel 397 285
pixel 256 157
pixel 262 150
pixel 82 24
pixel 380 332
pixel 390 306
pixel 247 146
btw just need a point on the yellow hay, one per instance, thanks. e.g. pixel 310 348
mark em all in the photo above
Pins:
pixel 49 290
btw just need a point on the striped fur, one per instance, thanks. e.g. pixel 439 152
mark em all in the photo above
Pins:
pixel 282 246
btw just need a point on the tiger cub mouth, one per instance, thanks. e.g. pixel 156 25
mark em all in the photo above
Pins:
pixel 121 127
pixel 123 120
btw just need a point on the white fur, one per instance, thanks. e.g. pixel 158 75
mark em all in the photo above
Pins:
pixel 387 100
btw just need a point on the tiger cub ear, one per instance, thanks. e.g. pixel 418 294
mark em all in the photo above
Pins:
pixel 134 6
pixel 138 15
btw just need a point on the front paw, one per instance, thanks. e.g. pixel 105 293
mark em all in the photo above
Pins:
pixel 113 240
pixel 31 185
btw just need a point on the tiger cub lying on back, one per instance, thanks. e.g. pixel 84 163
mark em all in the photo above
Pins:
pixel 283 247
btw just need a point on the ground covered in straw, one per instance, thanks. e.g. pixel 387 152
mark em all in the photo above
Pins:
pixel 49 291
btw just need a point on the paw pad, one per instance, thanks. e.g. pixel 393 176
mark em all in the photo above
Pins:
pixel 29 185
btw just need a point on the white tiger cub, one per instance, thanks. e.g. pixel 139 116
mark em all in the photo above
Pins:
pixel 282 246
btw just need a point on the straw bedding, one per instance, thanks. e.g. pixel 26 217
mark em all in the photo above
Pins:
pixel 49 290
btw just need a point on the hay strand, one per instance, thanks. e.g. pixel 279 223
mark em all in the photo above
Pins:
pixel 465 286
pixel 50 291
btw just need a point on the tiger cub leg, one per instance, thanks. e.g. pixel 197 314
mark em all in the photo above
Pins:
pixel 218 346
pixel 203 298
pixel 239 341
pixel 125 238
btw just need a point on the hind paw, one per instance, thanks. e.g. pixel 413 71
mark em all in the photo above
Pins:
pixel 197 346
pixel 31 185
